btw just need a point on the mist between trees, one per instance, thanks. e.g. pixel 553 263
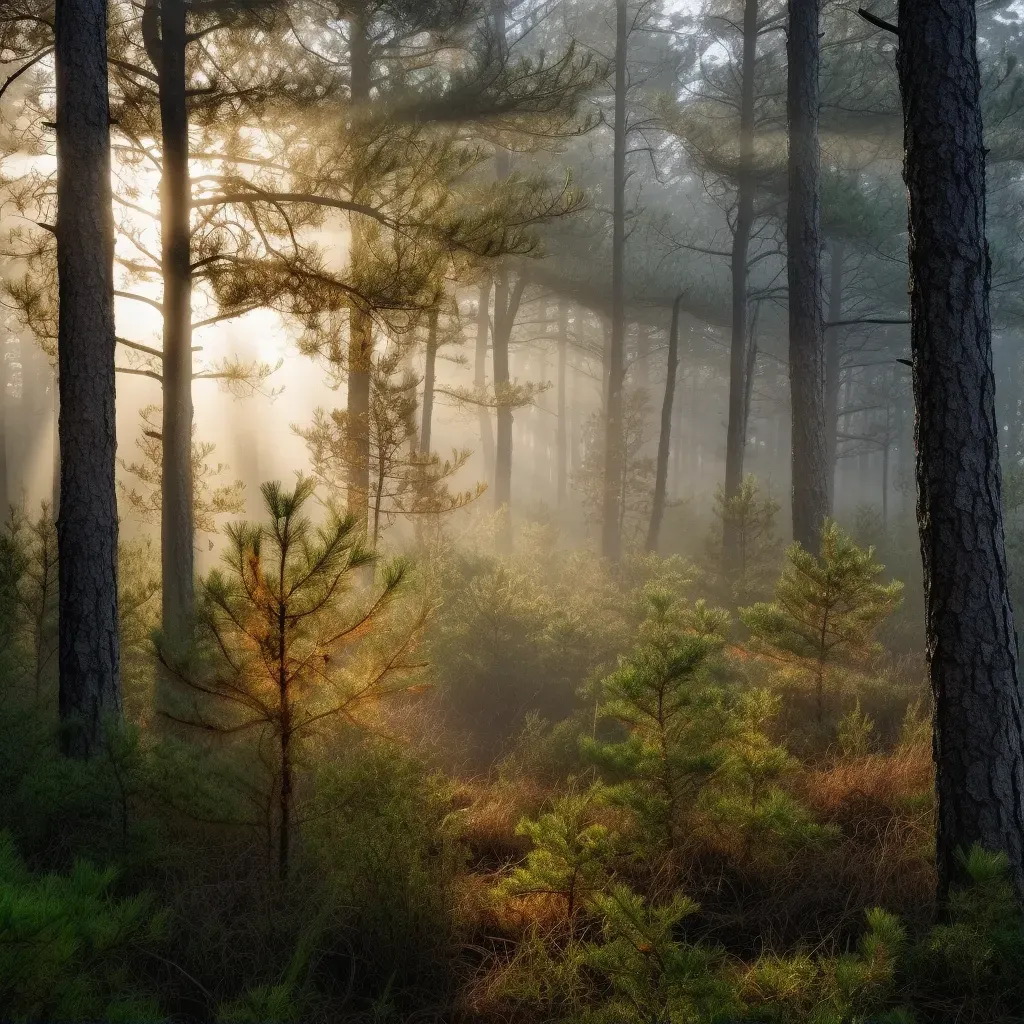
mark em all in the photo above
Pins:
pixel 513 511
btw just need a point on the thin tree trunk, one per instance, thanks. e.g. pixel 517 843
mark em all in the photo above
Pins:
pixel 745 184
pixel 428 383
pixel 360 343
pixel 506 306
pixel 89 643
pixel 971 646
pixel 55 447
pixel 809 485
pixel 562 438
pixel 480 376
pixel 665 434
pixel 176 530
pixel 4 432
pixel 832 367
pixel 611 535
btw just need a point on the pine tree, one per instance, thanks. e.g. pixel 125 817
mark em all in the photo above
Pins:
pixel 826 609
pixel 749 519
pixel 570 857
pixel 281 641
pixel 674 717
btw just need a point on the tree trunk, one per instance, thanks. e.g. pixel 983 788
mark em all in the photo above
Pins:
pixel 480 376
pixel 55 448
pixel 176 529
pixel 809 486
pixel 972 650
pixel 360 343
pixel 832 368
pixel 4 431
pixel 506 306
pixel 562 438
pixel 428 384
pixel 611 535
pixel 745 184
pixel 665 434
pixel 89 643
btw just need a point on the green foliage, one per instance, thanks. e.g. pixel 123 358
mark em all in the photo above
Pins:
pixel 826 609
pixel 855 732
pixel 673 717
pixel 283 656
pixel 518 635
pixel 654 978
pixel 750 518
pixel 636 484
pixel 66 945
pixel 29 584
pixel 852 988
pixel 210 499
pixel 570 854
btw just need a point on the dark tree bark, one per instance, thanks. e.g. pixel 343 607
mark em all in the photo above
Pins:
pixel 832 367
pixel 971 646
pixel 745 186
pixel 665 433
pixel 810 490
pixel 428 384
pixel 611 534
pixel 562 439
pixel 89 644
pixel 480 376
pixel 506 306
pixel 177 529
pixel 5 416
pixel 360 342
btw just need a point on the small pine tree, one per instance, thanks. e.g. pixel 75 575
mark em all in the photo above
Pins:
pixel 210 498
pixel 750 516
pixel 66 945
pixel 654 977
pixel 30 578
pixel 279 639
pixel 570 855
pixel 674 716
pixel 826 609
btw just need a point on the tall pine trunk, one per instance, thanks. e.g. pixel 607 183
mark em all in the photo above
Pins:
pixel 665 433
pixel 360 342
pixel 832 367
pixel 177 528
pixel 562 437
pixel 614 457
pixel 89 644
pixel 506 306
pixel 428 384
pixel 480 376
pixel 971 646
pixel 745 185
pixel 809 487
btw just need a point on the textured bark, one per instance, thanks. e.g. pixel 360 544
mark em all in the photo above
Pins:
pixel 5 417
pixel 832 368
pixel 611 533
pixel 562 438
pixel 360 342
pixel 506 306
pixel 971 647
pixel 89 645
pixel 809 486
pixel 665 433
pixel 428 384
pixel 480 376
pixel 177 529
pixel 745 185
